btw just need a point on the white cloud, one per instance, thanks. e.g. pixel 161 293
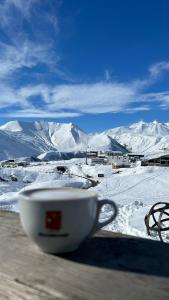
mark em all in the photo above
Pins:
pixel 12 13
pixel 27 47
pixel 37 90
pixel 137 109
pixel 92 98
pixel 155 73
pixel 157 69
pixel 108 75
pixel 38 113
pixel 95 98
pixel 161 98
pixel 62 100
pixel 9 97
pixel 71 100
pixel 23 6
pixel 26 55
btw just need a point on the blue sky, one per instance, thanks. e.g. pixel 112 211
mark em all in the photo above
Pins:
pixel 98 64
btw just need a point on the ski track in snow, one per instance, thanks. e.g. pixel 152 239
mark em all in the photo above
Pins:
pixel 134 190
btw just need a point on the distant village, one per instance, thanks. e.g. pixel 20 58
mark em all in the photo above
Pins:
pixel 120 160
pixel 117 159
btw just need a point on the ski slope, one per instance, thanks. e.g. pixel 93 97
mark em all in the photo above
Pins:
pixel 134 190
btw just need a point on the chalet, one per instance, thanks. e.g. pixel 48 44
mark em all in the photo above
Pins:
pixel 113 153
pixel 91 154
pixel 109 153
pixel 13 164
pixel 106 157
pixel 156 160
pixel 133 157
pixel 103 153
pixel 120 162
pixel 8 164
pixel 99 160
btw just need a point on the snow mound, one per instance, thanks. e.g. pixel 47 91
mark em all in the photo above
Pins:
pixel 58 184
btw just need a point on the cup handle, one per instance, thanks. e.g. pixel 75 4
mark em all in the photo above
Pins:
pixel 98 225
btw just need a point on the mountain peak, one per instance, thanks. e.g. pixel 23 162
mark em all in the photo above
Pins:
pixel 13 126
pixel 155 122
pixel 34 138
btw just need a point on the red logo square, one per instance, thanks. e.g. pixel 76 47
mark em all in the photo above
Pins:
pixel 53 219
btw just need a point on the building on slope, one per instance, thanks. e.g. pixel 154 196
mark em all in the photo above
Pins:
pixel 103 153
pixel 99 161
pixel 115 158
pixel 133 157
pixel 120 161
pixel 156 160
pixel 102 157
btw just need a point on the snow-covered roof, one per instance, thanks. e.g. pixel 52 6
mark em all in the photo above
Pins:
pixel 156 155
pixel 135 154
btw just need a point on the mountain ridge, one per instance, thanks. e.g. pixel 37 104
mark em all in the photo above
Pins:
pixel 34 138
pixel 19 139
pixel 142 137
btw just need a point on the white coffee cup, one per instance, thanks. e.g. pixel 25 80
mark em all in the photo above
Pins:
pixel 59 219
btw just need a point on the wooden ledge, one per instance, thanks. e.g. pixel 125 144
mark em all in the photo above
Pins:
pixel 109 266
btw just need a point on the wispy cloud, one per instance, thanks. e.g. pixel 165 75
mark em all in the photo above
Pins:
pixel 23 6
pixel 71 100
pixel 96 98
pixel 158 69
pixel 140 108
pixel 28 49
pixel 26 55
pixel 24 45
pixel 161 99
pixel 108 75
pixel 38 113
pixel 81 98
pixel 92 98
pixel 154 74
pixel 12 14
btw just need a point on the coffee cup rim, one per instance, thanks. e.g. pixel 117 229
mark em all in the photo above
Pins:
pixel 26 193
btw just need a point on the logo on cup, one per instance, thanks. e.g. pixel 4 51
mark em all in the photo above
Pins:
pixel 53 220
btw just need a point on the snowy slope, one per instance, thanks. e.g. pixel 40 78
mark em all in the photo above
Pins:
pixel 19 139
pixel 142 137
pixel 102 141
pixel 134 190
pixel 14 146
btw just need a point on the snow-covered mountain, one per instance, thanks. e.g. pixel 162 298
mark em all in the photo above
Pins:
pixel 19 139
pixel 142 137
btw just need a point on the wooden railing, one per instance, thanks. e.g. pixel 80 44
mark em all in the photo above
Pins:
pixel 109 266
